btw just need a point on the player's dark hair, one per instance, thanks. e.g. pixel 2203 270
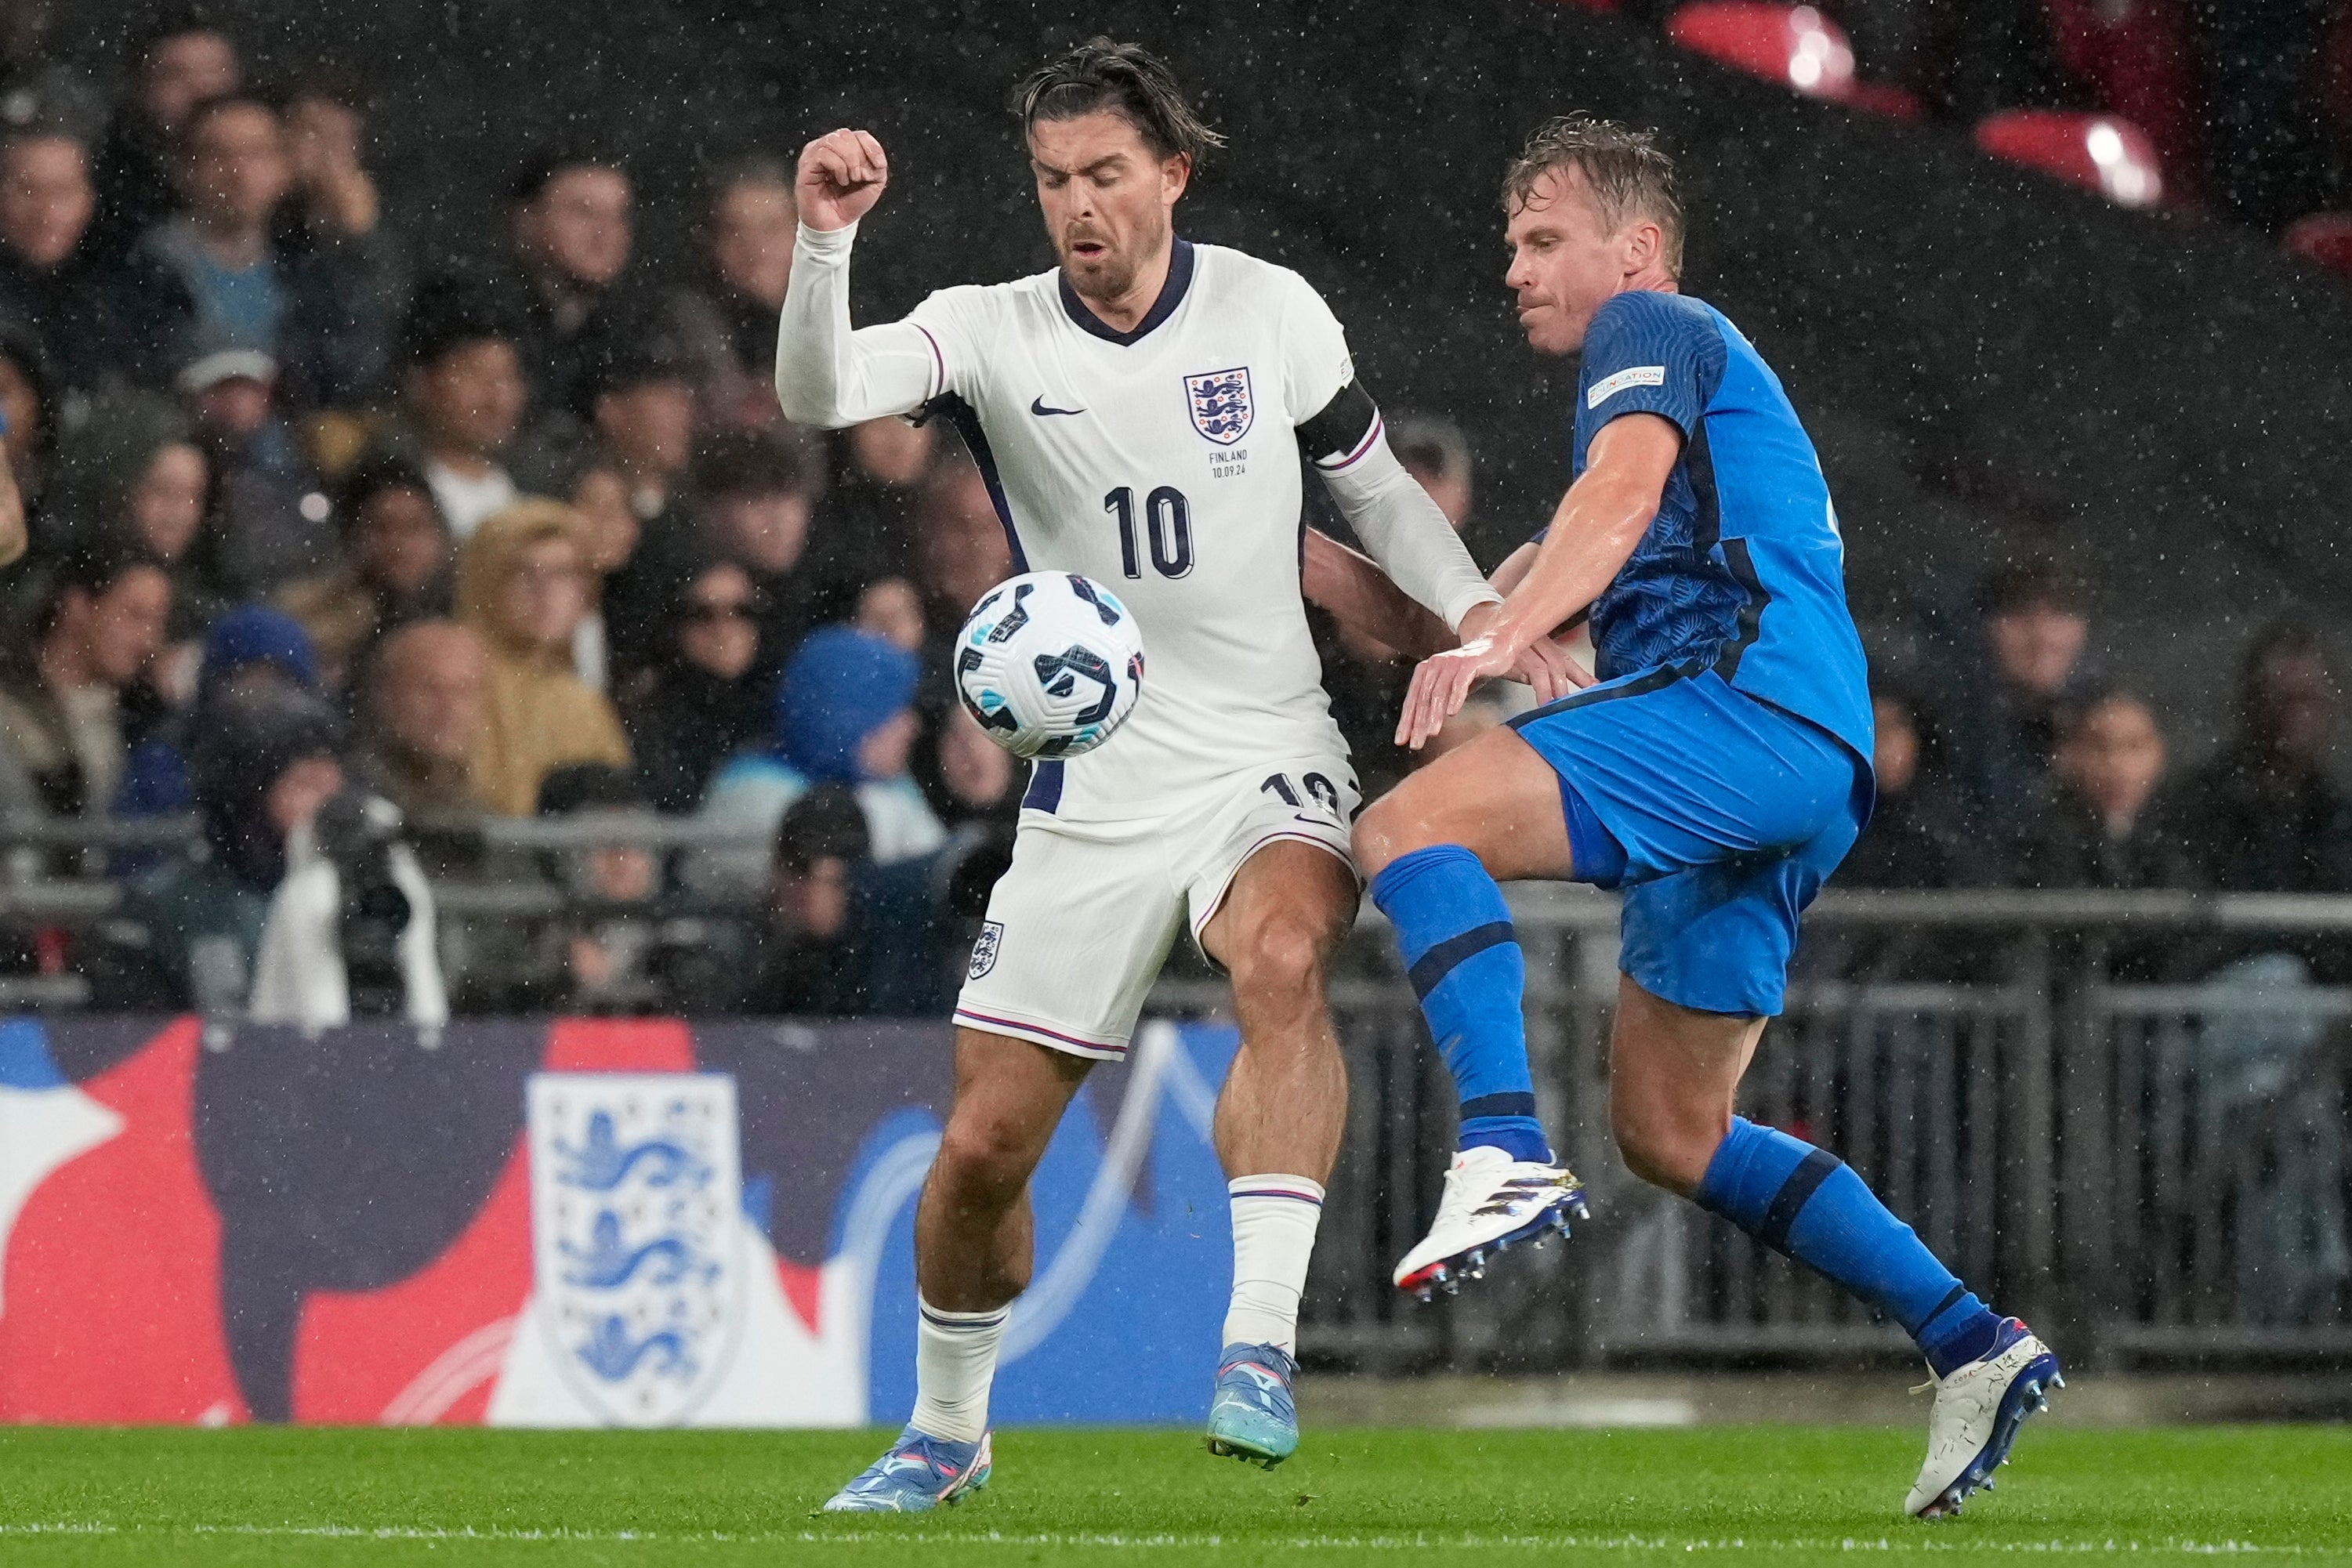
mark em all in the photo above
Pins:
pixel 1626 170
pixel 1127 80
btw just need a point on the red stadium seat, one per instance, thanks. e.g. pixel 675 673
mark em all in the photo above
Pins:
pixel 2323 237
pixel 1793 45
pixel 2097 152
pixel 2138 57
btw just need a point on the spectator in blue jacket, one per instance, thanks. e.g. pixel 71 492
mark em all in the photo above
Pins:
pixel 845 715
pixel 251 647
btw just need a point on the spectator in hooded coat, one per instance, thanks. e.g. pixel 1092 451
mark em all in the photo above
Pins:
pixel 249 648
pixel 523 586
pixel 181 63
pixel 840 935
pixel 28 401
pixel 2267 815
pixel 264 766
pixel 843 714
pixel 725 323
pixel 2102 829
pixel 570 291
pixel 218 275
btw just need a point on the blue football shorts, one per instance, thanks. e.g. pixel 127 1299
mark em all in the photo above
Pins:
pixel 1718 814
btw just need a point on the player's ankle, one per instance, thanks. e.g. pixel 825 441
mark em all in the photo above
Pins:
pixel 1973 1339
pixel 1521 1138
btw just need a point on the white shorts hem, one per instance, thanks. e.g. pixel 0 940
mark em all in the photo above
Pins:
pixel 1067 1041
pixel 1226 886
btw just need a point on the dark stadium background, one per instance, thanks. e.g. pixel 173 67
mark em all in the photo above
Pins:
pixel 1991 364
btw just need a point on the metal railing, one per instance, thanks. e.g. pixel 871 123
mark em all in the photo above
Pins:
pixel 2157 1169
pixel 2158 1173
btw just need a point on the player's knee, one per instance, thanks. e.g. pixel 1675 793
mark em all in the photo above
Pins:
pixel 1388 827
pixel 1280 960
pixel 1666 1146
pixel 983 1163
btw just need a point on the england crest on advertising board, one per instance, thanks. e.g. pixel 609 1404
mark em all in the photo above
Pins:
pixel 636 1181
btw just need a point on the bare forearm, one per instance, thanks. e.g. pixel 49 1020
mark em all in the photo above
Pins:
pixel 1600 521
pixel 1364 601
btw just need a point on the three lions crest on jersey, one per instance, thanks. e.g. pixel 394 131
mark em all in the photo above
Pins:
pixel 1221 404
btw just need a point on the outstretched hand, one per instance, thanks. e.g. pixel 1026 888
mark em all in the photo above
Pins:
pixel 842 175
pixel 1442 682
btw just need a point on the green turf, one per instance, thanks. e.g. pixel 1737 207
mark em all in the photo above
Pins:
pixel 1770 1494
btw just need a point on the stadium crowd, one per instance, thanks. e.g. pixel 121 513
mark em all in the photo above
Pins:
pixel 307 518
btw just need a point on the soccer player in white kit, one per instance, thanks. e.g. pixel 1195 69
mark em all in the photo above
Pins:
pixel 1138 413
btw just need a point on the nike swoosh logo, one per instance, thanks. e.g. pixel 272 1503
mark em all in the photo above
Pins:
pixel 1037 406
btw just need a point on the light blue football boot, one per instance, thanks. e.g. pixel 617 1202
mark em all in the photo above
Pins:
pixel 917 1475
pixel 1251 1416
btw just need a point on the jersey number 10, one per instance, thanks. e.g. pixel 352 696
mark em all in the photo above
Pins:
pixel 1169 524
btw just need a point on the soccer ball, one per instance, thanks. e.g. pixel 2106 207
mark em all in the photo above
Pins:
pixel 1049 664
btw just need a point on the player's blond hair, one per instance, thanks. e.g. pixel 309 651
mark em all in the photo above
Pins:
pixel 1626 170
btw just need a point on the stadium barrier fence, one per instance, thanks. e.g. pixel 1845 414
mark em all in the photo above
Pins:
pixel 2157 1169
pixel 2161 1173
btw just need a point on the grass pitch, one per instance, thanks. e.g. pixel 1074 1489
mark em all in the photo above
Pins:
pixel 1779 1495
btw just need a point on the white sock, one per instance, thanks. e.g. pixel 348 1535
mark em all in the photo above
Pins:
pixel 1273 1235
pixel 955 1361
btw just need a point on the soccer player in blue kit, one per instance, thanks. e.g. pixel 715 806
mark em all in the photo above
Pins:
pixel 1717 772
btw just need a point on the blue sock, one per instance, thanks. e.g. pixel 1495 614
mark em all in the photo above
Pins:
pixel 1798 1200
pixel 1464 963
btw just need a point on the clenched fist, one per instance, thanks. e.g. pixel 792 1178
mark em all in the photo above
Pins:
pixel 841 177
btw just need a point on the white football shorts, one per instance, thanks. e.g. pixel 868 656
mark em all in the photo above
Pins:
pixel 1079 925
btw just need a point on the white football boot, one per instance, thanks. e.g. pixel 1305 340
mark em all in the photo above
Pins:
pixel 1491 1202
pixel 1978 1409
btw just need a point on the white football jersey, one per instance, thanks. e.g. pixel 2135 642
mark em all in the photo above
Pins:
pixel 1163 463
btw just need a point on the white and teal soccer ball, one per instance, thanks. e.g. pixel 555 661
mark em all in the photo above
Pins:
pixel 1050 664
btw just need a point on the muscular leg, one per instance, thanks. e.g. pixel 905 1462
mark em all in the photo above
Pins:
pixel 1286 1097
pixel 1435 847
pixel 973 1227
pixel 1673 1072
pixel 1286 1100
pixel 1494 798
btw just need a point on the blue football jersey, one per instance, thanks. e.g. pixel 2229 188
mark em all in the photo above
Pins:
pixel 1742 570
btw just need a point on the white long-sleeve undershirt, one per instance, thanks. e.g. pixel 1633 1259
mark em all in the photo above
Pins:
pixel 829 375
pixel 1402 528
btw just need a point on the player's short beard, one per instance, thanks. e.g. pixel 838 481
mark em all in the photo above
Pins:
pixel 1116 273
